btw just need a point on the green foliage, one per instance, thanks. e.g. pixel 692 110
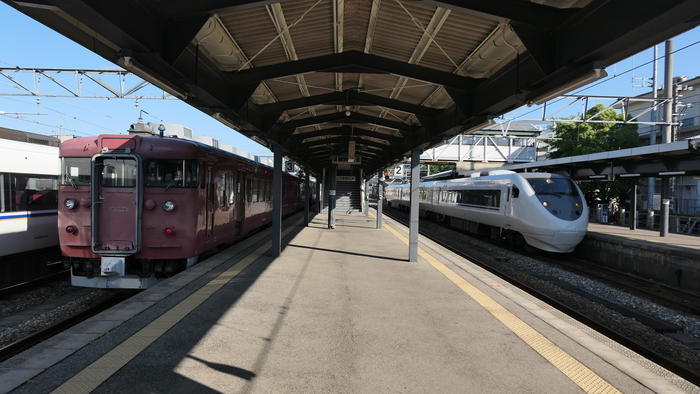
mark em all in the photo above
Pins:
pixel 586 138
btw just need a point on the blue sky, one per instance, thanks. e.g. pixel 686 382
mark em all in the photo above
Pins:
pixel 27 43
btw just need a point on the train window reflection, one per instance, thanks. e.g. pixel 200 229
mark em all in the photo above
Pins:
pixel 171 173
pixel 34 192
pixel 119 172
pixel 75 171
pixel 485 198
pixel 552 186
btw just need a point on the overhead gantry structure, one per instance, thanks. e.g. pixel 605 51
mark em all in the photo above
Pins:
pixel 366 82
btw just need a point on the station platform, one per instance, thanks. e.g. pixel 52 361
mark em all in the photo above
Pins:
pixel 339 311
pixel 673 240
pixel 673 260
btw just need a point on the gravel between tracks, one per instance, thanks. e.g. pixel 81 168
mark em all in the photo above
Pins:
pixel 25 313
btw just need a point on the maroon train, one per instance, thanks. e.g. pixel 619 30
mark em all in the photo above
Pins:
pixel 134 209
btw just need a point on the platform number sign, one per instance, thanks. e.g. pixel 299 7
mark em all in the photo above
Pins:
pixel 289 166
pixel 398 171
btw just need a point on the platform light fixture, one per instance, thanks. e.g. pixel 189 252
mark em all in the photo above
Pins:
pixel 597 176
pixel 628 175
pixel 669 173
pixel 595 74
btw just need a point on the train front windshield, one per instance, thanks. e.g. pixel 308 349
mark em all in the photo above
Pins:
pixel 559 196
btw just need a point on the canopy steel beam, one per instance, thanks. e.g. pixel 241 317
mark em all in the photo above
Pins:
pixel 515 10
pixel 342 117
pixel 346 139
pixel 353 61
pixel 345 131
pixel 348 97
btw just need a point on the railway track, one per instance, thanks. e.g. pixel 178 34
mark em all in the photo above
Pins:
pixel 32 339
pixel 666 296
pixel 26 285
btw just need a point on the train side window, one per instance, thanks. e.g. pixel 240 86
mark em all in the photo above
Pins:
pixel 221 190
pixel 515 192
pixel 171 173
pixel 35 192
pixel 5 201
pixel 231 189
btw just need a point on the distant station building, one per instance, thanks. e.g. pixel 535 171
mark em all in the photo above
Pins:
pixel 686 193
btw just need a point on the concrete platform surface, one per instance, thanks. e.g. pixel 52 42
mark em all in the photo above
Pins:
pixel 689 242
pixel 343 311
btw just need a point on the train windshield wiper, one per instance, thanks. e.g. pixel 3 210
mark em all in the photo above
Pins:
pixel 72 182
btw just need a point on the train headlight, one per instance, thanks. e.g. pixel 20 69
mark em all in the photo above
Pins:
pixel 70 203
pixel 545 203
pixel 168 206
pixel 71 230
pixel 578 204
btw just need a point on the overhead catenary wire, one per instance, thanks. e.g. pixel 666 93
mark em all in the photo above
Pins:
pixel 605 80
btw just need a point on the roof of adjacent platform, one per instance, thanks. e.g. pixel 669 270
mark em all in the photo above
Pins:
pixel 310 76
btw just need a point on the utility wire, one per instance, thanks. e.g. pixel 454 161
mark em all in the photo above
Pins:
pixel 606 80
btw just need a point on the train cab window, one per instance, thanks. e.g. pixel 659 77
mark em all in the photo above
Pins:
pixel 171 173
pixel 119 172
pixel 34 192
pixel 562 186
pixel 516 192
pixel 75 171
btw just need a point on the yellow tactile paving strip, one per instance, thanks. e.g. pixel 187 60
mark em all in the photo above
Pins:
pixel 588 380
pixel 96 373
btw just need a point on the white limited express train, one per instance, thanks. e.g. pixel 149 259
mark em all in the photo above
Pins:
pixel 29 168
pixel 546 211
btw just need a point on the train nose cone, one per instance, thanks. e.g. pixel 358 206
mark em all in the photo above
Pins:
pixel 149 204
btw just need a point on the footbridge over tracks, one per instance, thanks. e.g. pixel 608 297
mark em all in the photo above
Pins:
pixel 362 83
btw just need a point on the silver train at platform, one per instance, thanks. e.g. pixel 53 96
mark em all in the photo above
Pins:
pixel 543 210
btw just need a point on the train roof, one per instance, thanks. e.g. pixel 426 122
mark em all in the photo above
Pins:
pixel 25 136
pixel 495 176
pixel 170 146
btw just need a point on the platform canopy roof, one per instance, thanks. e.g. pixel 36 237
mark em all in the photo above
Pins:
pixel 310 76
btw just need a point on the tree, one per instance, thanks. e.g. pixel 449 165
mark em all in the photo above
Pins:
pixel 586 138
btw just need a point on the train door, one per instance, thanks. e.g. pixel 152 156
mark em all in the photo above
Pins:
pixel 117 194
pixel 210 202
pixel 240 201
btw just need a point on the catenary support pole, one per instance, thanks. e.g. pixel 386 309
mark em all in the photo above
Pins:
pixel 668 93
pixel 413 230
pixel 307 197
pixel 277 203
pixel 652 139
pixel 633 206
pixel 319 197
pixel 332 195
pixel 665 207
pixel 380 199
